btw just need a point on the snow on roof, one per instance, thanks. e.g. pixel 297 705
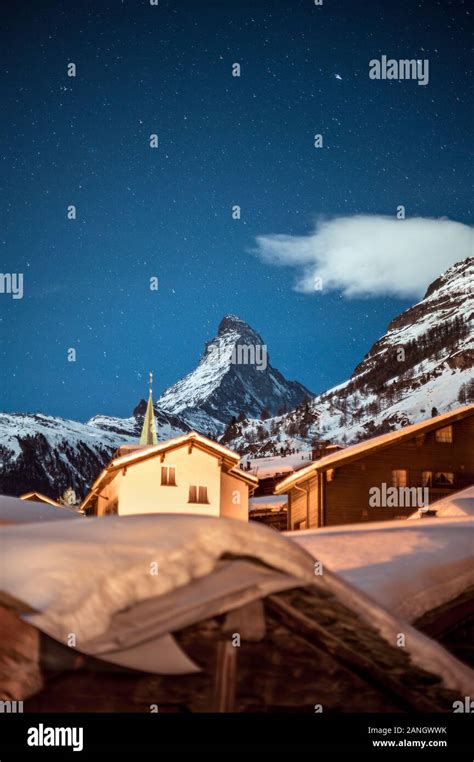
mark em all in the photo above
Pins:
pixel 374 443
pixel 105 563
pixel 408 567
pixel 278 464
pixel 457 505
pixel 192 437
pixel 40 498
pixel 84 579
pixel 17 510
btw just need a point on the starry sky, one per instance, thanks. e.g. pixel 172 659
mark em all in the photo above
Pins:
pixel 223 140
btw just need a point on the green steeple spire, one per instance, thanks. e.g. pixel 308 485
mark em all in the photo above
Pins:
pixel 148 435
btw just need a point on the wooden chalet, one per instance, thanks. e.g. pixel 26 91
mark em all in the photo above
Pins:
pixel 436 456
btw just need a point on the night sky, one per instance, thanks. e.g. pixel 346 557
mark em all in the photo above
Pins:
pixel 223 140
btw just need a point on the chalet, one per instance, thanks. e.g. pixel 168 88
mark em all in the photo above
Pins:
pixel 187 474
pixel 272 469
pixel 433 458
pixel 264 507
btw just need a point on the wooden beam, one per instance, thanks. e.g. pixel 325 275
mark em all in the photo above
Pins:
pixel 363 666
pixel 224 689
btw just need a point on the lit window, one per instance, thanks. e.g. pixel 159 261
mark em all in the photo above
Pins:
pixel 197 494
pixel 168 476
pixel 426 478
pixel 445 434
pixel 399 478
pixel 443 478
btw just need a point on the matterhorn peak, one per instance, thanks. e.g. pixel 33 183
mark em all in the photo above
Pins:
pixel 233 375
pixel 232 323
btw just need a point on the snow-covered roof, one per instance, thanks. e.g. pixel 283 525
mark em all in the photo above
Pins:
pixel 360 449
pixel 38 497
pixel 17 510
pixel 192 438
pixel 460 504
pixel 78 581
pixel 408 567
pixel 95 579
pixel 278 464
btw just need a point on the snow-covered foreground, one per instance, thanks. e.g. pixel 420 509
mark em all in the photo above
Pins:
pixel 90 576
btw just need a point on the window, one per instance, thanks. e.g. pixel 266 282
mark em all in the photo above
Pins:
pixel 443 478
pixel 197 494
pixel 168 476
pixel 444 435
pixel 399 478
pixel 426 478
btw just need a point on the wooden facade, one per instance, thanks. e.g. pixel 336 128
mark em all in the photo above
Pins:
pixel 436 456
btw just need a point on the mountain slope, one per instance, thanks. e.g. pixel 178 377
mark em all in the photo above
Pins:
pixel 48 454
pixel 233 375
pixel 425 360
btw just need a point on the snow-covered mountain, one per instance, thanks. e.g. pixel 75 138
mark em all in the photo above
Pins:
pixel 424 361
pixel 47 454
pixel 234 375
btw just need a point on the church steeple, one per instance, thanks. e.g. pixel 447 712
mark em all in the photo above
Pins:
pixel 148 435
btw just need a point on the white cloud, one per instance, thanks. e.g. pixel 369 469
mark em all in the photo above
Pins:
pixel 371 255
